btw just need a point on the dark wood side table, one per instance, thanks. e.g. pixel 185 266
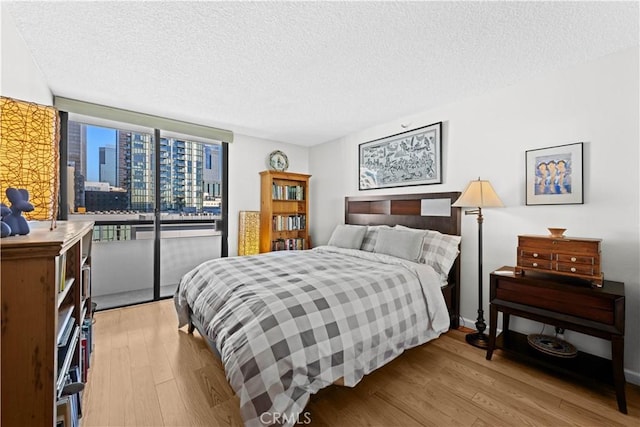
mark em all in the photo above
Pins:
pixel 564 303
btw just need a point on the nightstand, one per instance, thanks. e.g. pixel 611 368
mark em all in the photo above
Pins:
pixel 564 303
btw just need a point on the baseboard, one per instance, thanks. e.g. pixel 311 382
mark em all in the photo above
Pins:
pixel 465 329
pixel 631 376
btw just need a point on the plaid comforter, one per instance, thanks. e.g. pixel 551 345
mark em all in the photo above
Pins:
pixel 287 324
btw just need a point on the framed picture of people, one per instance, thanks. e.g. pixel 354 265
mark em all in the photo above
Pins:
pixel 554 175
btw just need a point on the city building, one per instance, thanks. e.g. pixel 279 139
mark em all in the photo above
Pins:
pixel 123 149
pixel 77 151
pixel 112 200
pixel 211 185
pixel 107 164
pixel 76 158
pixel 190 173
pixel 141 187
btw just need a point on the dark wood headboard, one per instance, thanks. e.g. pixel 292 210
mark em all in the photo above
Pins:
pixel 406 209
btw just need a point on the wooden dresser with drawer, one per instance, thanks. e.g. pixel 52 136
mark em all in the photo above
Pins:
pixel 567 256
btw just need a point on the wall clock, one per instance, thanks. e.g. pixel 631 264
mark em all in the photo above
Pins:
pixel 278 161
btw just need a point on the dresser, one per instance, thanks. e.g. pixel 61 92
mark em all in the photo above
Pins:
pixel 567 256
pixel 45 300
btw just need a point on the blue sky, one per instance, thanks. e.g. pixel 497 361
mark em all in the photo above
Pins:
pixel 97 137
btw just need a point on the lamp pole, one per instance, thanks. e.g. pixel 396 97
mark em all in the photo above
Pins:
pixel 479 339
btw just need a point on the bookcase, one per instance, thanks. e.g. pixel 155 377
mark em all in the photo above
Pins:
pixel 46 317
pixel 284 211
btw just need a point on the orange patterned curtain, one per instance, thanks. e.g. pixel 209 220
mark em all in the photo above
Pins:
pixel 29 154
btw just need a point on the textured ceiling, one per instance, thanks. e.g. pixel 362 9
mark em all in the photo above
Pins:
pixel 307 72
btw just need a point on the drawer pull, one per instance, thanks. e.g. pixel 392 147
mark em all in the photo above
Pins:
pixel 535 264
pixel 535 255
pixel 573 269
pixel 573 259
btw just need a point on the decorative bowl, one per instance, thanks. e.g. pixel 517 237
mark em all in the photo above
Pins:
pixel 557 232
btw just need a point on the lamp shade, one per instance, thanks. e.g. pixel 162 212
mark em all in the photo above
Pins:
pixel 479 194
pixel 249 233
pixel 29 154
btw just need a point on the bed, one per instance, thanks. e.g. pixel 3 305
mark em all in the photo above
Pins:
pixel 287 324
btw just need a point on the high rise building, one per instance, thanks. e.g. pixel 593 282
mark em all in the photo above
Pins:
pixel 77 147
pixel 180 175
pixel 107 164
pixel 123 150
pixel 141 187
pixel 190 172
pixel 212 182
pixel 77 155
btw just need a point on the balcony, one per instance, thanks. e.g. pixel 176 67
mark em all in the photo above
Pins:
pixel 122 254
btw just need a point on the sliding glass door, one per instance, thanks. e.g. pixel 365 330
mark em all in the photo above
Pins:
pixel 190 203
pixel 156 202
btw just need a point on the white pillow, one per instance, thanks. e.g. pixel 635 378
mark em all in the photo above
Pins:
pixel 438 250
pixel 371 237
pixel 347 236
pixel 399 243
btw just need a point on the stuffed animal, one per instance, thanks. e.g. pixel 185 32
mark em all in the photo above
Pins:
pixel 19 199
pixel 4 211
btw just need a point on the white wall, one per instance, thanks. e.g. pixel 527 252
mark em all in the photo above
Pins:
pixel 247 158
pixel 20 78
pixel 487 136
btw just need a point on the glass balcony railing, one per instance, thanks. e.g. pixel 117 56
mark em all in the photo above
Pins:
pixel 123 254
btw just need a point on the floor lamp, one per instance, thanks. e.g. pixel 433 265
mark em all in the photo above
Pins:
pixel 478 194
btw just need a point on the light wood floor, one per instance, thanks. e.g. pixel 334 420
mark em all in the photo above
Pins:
pixel 145 371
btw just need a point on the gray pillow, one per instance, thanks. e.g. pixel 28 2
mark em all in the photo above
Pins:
pixel 399 243
pixel 371 237
pixel 439 250
pixel 347 236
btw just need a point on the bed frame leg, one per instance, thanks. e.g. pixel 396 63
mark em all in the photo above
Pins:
pixel 191 327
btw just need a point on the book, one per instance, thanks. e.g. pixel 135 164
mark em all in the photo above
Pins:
pixel 86 281
pixel 66 332
pixel 84 357
pixel 64 315
pixel 87 328
pixel 61 270
pixel 66 351
pixel 73 398
pixel 63 411
pixel 74 377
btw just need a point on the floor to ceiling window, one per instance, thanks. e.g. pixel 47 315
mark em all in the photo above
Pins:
pixel 156 198
pixel 191 187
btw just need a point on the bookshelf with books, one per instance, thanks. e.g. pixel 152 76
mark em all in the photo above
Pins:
pixel 284 211
pixel 47 301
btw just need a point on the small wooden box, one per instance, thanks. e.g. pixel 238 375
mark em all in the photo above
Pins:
pixel 567 256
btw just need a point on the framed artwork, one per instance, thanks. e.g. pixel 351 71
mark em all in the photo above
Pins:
pixel 408 158
pixel 554 175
